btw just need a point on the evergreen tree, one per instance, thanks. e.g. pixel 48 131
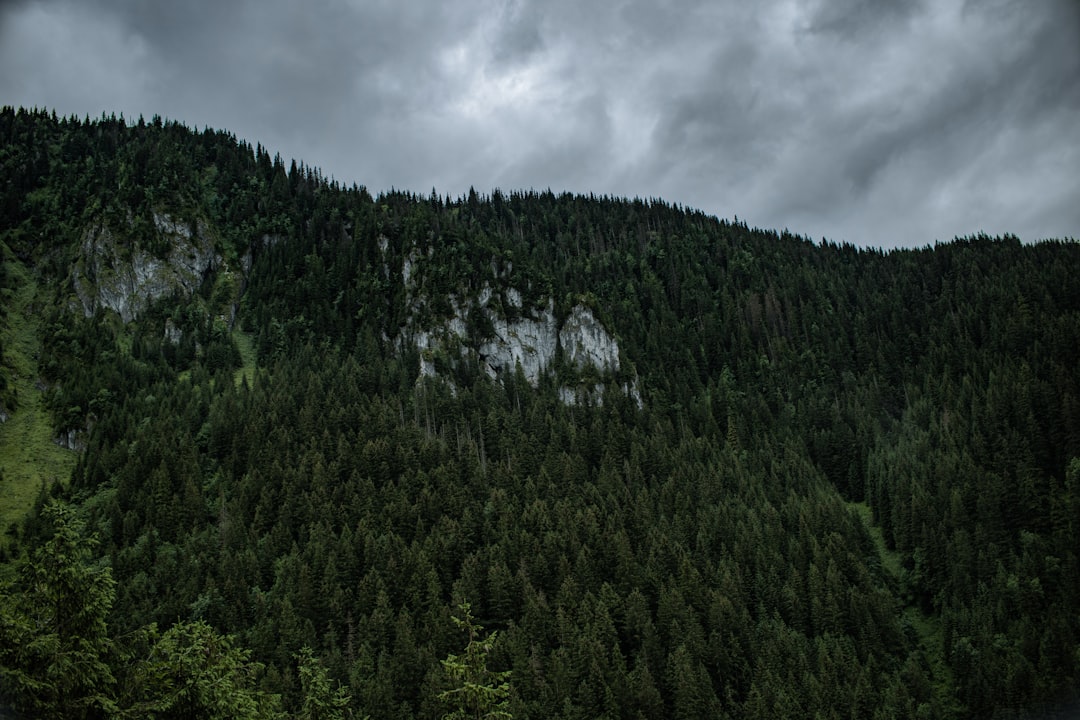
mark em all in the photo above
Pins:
pixel 478 693
pixel 196 672
pixel 321 702
pixel 55 647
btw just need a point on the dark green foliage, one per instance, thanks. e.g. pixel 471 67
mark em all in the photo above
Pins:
pixel 54 643
pixel 692 557
pixel 195 672
pixel 58 658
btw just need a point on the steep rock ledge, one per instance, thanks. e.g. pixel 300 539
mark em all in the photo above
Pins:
pixel 530 340
pixel 127 277
pixel 495 327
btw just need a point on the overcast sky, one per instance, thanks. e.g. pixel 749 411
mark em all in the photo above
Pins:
pixel 879 123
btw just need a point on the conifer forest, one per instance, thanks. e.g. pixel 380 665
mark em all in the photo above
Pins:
pixel 276 446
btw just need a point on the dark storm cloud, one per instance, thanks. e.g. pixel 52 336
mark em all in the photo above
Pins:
pixel 875 122
pixel 883 133
pixel 517 33
pixel 846 19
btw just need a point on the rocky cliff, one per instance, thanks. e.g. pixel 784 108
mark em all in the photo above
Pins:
pixel 497 330
pixel 126 276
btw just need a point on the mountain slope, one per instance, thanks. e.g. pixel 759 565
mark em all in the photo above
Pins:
pixel 625 432
pixel 31 455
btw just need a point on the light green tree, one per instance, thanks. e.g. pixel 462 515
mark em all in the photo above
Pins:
pixel 478 693
pixel 57 659
pixel 54 642
pixel 320 701
pixel 197 672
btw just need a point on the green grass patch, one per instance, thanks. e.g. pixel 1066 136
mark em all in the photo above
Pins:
pixel 245 343
pixel 928 630
pixel 890 559
pixel 28 456
pixel 927 627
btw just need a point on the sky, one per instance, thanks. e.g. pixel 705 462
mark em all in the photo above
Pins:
pixel 883 124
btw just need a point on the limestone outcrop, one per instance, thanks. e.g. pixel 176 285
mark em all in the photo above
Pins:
pixel 127 276
pixel 495 328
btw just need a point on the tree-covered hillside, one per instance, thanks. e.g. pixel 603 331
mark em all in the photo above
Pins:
pixel 819 482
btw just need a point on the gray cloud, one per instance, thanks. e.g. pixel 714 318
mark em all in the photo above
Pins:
pixel 517 34
pixel 876 123
pixel 850 19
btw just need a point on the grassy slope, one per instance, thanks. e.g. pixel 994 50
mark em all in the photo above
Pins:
pixel 890 560
pixel 927 627
pixel 245 343
pixel 28 456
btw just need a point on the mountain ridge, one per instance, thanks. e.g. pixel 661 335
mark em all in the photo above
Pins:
pixel 678 541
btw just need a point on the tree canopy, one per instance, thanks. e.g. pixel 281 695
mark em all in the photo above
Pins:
pixel 850 489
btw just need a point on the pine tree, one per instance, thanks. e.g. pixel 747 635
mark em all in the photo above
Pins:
pixel 479 693
pixel 54 642
pixel 196 672
pixel 320 701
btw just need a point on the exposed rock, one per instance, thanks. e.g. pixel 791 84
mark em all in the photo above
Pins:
pixel 384 246
pixel 529 342
pixel 512 333
pixel 577 396
pixel 513 298
pixel 532 343
pixel 407 268
pixel 173 334
pixel 269 241
pixel 585 342
pixel 428 342
pixel 126 278
pixel 69 440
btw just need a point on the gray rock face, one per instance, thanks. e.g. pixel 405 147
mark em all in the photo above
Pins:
pixel 172 333
pixel 585 342
pixel 69 441
pixel 513 333
pixel 127 277
pixel 530 341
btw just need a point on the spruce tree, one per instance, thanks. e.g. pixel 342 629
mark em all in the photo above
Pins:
pixel 54 642
pixel 321 702
pixel 478 693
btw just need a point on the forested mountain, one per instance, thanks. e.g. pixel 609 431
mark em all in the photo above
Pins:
pixel 676 466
